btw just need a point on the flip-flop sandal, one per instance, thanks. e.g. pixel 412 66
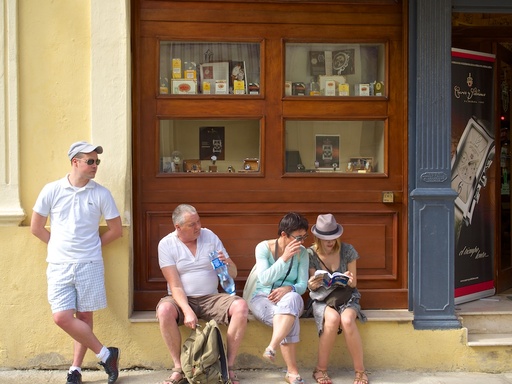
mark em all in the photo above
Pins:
pixel 232 376
pixel 169 380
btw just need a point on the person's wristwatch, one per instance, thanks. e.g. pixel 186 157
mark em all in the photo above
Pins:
pixel 474 155
pixel 293 288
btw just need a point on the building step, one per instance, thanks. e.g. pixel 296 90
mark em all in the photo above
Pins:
pixel 489 339
pixel 488 321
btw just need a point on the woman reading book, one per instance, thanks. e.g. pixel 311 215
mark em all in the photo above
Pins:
pixel 335 306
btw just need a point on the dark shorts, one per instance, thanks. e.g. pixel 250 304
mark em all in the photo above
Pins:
pixel 205 307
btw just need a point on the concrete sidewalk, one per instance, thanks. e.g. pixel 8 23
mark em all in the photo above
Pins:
pixel 262 376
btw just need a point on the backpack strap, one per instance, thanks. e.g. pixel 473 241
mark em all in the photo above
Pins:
pixel 222 357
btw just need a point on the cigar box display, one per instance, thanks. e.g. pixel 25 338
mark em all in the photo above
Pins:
pixel 378 88
pixel 254 89
pixel 184 87
pixel 362 90
pixel 176 68
pixel 329 85
pixel 299 89
pixel 344 89
pixel 215 78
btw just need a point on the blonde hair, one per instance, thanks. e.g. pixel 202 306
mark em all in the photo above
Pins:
pixel 317 244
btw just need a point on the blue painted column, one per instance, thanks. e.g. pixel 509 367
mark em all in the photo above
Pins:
pixel 431 215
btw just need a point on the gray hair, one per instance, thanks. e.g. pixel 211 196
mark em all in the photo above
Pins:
pixel 180 211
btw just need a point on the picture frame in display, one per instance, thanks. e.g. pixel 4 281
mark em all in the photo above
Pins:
pixel 327 151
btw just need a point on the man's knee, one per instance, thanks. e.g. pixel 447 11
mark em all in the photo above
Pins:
pixel 165 312
pixel 63 318
pixel 239 308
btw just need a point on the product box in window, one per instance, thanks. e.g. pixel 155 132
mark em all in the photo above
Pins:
pixel 298 89
pixel 190 71
pixel 176 68
pixel 362 89
pixel 183 87
pixel 379 88
pixel 344 89
pixel 287 88
pixel 254 89
pixel 239 87
pixel 329 85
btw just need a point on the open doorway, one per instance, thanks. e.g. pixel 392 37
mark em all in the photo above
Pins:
pixel 492 33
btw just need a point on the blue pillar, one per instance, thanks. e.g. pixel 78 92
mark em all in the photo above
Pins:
pixel 431 214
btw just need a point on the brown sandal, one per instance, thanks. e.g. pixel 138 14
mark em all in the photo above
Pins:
pixel 359 377
pixel 323 379
pixel 170 380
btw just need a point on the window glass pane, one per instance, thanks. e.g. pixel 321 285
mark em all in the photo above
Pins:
pixel 209 68
pixel 335 69
pixel 198 146
pixel 335 146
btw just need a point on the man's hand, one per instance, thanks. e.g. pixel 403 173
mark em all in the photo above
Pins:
pixel 190 320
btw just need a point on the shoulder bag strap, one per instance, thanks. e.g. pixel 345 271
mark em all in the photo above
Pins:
pixel 319 259
pixel 287 272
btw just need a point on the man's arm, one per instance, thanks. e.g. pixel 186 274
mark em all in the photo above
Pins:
pixel 178 293
pixel 114 231
pixel 37 227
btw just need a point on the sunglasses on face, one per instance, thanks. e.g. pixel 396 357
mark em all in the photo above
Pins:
pixel 300 238
pixel 91 161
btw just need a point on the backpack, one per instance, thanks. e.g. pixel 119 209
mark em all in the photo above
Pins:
pixel 250 284
pixel 203 358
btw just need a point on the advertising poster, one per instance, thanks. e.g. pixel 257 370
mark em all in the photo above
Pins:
pixel 473 158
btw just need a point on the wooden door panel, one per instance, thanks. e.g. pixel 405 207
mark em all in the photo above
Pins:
pixel 369 233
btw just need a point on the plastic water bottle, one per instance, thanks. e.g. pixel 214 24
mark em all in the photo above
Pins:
pixel 226 281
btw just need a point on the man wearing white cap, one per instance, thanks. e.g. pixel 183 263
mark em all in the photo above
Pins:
pixel 75 205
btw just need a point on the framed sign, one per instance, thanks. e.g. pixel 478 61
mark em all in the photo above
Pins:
pixel 211 143
pixel 327 150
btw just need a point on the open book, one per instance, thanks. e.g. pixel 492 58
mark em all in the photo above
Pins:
pixel 336 279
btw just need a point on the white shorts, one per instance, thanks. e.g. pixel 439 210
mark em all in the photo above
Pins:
pixel 78 286
pixel 290 304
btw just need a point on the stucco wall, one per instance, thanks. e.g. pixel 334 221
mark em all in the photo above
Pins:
pixel 61 65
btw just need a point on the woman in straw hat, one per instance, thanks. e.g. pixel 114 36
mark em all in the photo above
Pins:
pixel 335 307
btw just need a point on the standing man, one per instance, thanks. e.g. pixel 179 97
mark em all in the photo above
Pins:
pixel 75 274
pixel 192 289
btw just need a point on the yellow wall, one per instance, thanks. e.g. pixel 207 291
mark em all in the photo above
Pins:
pixel 55 110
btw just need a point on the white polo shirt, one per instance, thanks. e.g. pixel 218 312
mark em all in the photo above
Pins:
pixel 196 272
pixel 75 215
